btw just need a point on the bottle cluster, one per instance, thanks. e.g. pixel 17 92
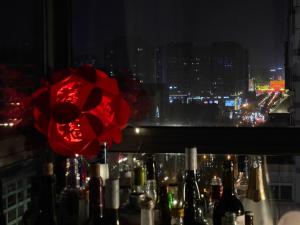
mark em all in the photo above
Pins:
pixel 210 190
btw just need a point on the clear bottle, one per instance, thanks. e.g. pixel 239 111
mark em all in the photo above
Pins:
pixel 147 213
pixel 193 210
pixel 229 203
pixel 151 183
pixel 112 203
pixel 177 216
pixel 72 202
pixel 241 183
pixel 256 199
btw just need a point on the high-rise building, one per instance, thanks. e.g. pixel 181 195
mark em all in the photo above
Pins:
pixel 133 54
pixel 292 63
pixel 229 68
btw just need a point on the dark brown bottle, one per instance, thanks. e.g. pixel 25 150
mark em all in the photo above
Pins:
pixel 193 202
pixel 229 204
pixel 43 196
pixel 163 206
pixel 96 216
pixel 249 218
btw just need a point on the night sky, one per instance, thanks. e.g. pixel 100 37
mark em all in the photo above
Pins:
pixel 259 25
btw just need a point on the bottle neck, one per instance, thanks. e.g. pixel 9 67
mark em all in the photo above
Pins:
pixel 72 174
pixel 228 182
pixel 256 187
pixel 47 196
pixel 96 197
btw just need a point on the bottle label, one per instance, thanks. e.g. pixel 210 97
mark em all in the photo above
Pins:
pixel 240 220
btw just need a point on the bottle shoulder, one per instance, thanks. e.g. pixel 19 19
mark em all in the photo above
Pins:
pixel 230 203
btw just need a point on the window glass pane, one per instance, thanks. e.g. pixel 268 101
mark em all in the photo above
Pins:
pixel 218 75
pixel 286 193
pixel 11 215
pixel 11 200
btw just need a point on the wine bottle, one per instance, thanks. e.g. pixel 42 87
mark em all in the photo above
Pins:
pixel 47 199
pixel 96 216
pixel 241 184
pixel 256 199
pixel 112 203
pixel 249 218
pixel 72 201
pixel 31 214
pixel 163 206
pixel 177 216
pixel 216 194
pixel 193 210
pixel 229 204
pixel 43 195
pixel 139 177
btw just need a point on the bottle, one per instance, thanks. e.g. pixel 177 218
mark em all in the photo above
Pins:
pixel 216 194
pixel 151 184
pixel 31 214
pixel 193 210
pixel 72 202
pixel 228 203
pixel 47 199
pixel 96 216
pixel 177 216
pixel 112 203
pixel 249 218
pixel 163 206
pixel 2 215
pixel 241 184
pixel 147 214
pixel 43 195
pixel 256 199
pixel 139 177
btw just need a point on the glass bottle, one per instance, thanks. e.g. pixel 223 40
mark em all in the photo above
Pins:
pixel 47 199
pixel 229 203
pixel 193 210
pixel 216 194
pixel 151 184
pixel 112 203
pixel 249 218
pixel 96 216
pixel 72 201
pixel 163 206
pixel 147 214
pixel 241 184
pixel 43 196
pixel 177 216
pixel 256 199
pixel 139 177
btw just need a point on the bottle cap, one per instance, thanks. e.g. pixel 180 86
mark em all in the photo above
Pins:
pixel 191 158
pixel 112 194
